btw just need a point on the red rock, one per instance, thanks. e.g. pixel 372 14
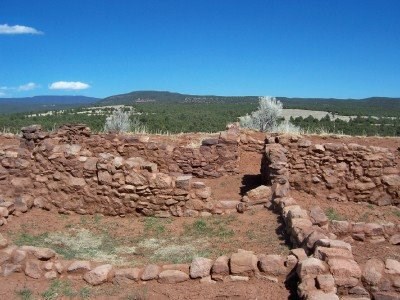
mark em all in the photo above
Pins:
pixel 272 264
pixel 345 271
pixel 172 276
pixel 320 295
pixel 243 262
pixel 326 282
pixel 299 253
pixel 40 253
pixel 129 273
pixel 311 266
pixel 104 177
pixel 3 212
pixel 261 194
pixel 324 253
pixel 313 237
pixel 373 271
pixel 150 272
pixel 50 275
pixel 32 269
pixel 18 256
pixel 318 217
pixel 221 266
pixel 339 227
pixel 200 267
pixel 395 239
pixel 391 180
pixel 99 275
pixel 392 266
pixel 79 266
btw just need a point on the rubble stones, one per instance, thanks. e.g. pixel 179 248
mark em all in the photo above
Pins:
pixel 150 272
pixel 243 262
pixel 200 267
pixel 172 276
pixel 311 266
pixel 99 275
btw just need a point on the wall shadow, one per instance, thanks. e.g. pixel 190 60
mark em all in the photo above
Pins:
pixel 250 182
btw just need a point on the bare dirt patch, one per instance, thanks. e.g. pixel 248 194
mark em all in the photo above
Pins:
pixel 27 288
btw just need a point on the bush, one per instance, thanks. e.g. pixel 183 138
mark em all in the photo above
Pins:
pixel 266 117
pixel 122 121
pixel 118 121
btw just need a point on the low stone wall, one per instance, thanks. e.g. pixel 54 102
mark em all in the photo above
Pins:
pixel 343 172
pixel 370 232
pixel 39 263
pixel 326 266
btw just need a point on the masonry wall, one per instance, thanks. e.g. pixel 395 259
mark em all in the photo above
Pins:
pixel 73 170
pixel 341 172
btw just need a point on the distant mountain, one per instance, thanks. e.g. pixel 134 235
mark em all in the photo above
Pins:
pixel 40 103
pixel 163 96
pixel 381 106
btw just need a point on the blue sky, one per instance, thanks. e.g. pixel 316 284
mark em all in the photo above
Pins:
pixel 321 48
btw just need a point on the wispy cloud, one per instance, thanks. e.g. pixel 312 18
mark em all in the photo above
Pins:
pixel 28 87
pixel 18 29
pixel 9 90
pixel 68 85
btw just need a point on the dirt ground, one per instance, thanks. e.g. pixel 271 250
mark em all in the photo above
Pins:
pixel 70 288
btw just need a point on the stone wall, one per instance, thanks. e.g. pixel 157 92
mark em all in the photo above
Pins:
pixel 212 157
pixel 326 267
pixel 340 172
pixel 76 171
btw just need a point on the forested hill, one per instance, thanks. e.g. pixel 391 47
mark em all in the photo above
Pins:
pixel 162 96
pixel 42 103
pixel 379 106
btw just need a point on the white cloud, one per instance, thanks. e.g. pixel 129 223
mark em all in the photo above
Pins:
pixel 68 85
pixel 2 94
pixel 18 29
pixel 28 87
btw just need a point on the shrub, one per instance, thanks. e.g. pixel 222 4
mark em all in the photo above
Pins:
pixel 265 117
pixel 123 121
pixel 118 121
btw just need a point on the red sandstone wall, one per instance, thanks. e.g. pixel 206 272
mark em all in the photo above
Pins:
pixel 74 170
pixel 342 172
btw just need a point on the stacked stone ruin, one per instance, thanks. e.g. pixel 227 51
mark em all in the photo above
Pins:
pixel 74 171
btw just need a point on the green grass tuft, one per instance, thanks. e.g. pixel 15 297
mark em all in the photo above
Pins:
pixel 25 294
pixel 332 214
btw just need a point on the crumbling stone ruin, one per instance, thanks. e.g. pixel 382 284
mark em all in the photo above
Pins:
pixel 74 171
